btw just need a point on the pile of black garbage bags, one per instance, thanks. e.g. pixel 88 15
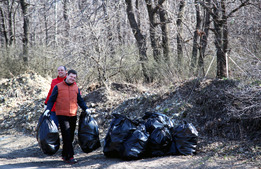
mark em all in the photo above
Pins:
pixel 47 134
pixel 154 135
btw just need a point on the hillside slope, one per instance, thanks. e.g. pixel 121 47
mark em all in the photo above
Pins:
pixel 226 113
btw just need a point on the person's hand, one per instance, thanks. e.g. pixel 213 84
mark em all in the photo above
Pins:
pixel 88 111
pixel 47 113
pixel 45 106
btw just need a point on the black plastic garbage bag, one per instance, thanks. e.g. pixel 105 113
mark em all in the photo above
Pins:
pixel 135 145
pixel 120 129
pixel 157 120
pixel 88 133
pixel 47 135
pixel 160 141
pixel 173 149
pixel 185 137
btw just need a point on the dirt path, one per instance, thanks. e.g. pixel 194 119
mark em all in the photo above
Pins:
pixel 22 151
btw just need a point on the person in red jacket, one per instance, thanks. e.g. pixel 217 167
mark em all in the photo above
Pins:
pixel 67 97
pixel 61 76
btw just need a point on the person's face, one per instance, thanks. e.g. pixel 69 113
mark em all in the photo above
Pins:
pixel 61 72
pixel 71 78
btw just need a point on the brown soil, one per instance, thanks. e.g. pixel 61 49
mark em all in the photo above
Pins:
pixel 226 113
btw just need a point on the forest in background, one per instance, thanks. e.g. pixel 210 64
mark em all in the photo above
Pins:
pixel 132 40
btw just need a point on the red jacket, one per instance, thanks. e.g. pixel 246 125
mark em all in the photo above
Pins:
pixel 54 82
pixel 66 101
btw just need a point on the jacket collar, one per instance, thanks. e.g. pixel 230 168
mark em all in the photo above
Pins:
pixel 68 83
pixel 61 78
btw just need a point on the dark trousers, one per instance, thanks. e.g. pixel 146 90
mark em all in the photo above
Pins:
pixel 67 125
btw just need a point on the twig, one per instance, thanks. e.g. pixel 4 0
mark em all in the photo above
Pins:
pixel 209 66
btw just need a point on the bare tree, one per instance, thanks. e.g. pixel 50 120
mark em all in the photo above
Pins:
pixel 26 30
pixel 7 13
pixel 45 24
pixel 3 32
pixel 179 35
pixel 158 17
pixel 137 6
pixel 119 37
pixel 220 16
pixel 203 41
pixel 66 21
pixel 141 41
pixel 111 52
pixel 10 21
pixel 165 37
pixel 195 38
pixel 155 44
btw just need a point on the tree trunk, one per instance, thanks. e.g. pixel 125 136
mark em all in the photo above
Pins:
pixel 225 40
pixel 138 12
pixel 218 13
pixel 221 61
pixel 46 25
pixel 26 31
pixel 10 23
pixel 179 36
pixel 66 22
pixel 203 41
pixel 164 29
pixel 3 32
pixel 119 22
pixel 56 24
pixel 195 39
pixel 141 41
pixel 153 39
pixel 112 52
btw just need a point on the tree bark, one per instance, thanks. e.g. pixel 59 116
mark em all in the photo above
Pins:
pixel 203 41
pixel 225 39
pixel 195 39
pixel 46 25
pixel 165 38
pixel 141 41
pixel 10 22
pixel 111 52
pixel 26 31
pixel 218 13
pixel 154 42
pixel 218 28
pixel 138 12
pixel 179 35
pixel 3 29
pixel 66 22
pixel 119 21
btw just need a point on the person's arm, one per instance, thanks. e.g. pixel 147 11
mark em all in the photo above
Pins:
pixel 80 101
pixel 52 98
pixel 49 93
